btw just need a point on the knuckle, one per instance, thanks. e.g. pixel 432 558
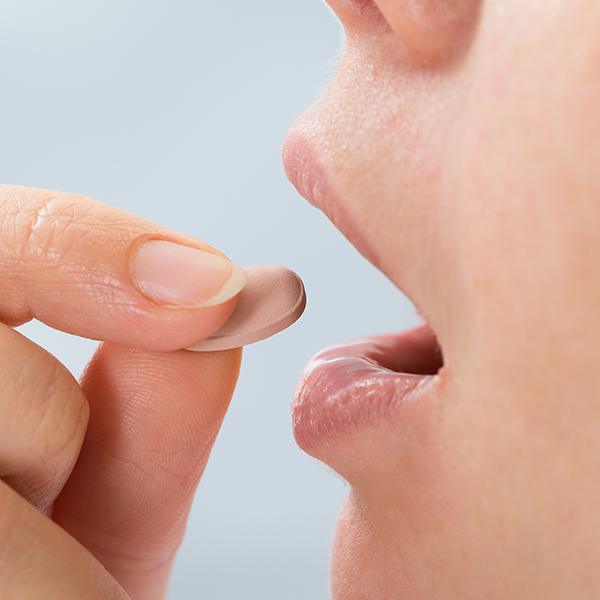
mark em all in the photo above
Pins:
pixel 43 416
pixel 43 410
pixel 63 420
pixel 42 225
pixel 50 225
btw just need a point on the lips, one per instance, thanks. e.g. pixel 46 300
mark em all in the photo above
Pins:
pixel 310 179
pixel 350 387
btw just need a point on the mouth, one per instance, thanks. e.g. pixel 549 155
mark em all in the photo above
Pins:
pixel 350 387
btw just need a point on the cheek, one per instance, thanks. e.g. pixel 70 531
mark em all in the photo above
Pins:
pixel 526 225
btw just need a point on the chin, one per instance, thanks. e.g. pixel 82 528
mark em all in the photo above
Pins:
pixel 361 568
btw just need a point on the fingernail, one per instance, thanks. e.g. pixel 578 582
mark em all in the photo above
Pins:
pixel 178 275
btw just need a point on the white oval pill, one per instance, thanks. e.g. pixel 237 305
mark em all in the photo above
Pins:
pixel 273 299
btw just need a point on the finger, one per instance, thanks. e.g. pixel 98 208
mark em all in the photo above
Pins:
pixel 39 560
pixel 153 421
pixel 44 415
pixel 95 271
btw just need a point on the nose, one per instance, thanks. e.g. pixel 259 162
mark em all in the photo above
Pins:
pixel 432 31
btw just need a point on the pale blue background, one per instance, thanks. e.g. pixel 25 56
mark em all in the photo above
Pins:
pixel 176 110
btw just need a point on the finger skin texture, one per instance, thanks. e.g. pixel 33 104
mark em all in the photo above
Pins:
pixel 153 420
pixel 44 416
pixel 39 560
pixel 67 261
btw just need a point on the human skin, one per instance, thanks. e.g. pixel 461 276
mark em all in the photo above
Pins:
pixel 458 145
pixel 97 476
pixel 461 153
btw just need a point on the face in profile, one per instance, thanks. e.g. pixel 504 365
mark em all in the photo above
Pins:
pixel 457 147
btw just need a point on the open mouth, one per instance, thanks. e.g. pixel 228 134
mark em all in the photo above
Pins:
pixel 351 386
pixel 415 352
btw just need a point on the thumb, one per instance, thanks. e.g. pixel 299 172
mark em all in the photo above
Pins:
pixel 95 271
pixel 153 420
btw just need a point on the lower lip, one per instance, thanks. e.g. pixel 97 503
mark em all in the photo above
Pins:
pixel 350 387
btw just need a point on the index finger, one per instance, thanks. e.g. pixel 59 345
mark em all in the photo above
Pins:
pixel 92 270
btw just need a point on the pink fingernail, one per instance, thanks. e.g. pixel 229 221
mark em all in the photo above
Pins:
pixel 178 275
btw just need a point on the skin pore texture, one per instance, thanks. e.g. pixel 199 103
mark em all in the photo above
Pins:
pixel 457 145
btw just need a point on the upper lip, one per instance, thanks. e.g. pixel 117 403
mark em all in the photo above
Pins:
pixel 302 169
pixel 310 179
pixel 308 174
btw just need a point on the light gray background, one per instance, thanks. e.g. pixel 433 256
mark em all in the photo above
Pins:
pixel 177 110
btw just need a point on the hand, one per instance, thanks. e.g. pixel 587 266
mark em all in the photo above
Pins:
pixel 96 478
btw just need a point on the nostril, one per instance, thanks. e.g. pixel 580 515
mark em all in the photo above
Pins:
pixel 353 13
pixel 432 31
pixel 353 4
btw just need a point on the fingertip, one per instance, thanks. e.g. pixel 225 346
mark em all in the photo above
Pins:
pixel 94 271
pixel 166 329
pixel 195 326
